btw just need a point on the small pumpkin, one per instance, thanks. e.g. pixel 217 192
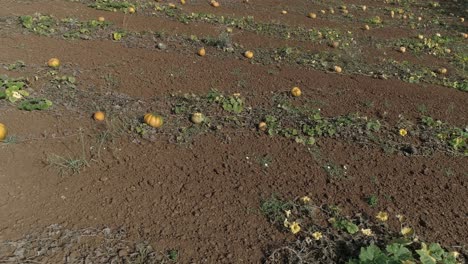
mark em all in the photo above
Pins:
pixel 53 63
pixel 337 69
pixel 101 19
pixel 202 52
pixel 402 49
pixel 296 92
pixel 249 54
pixel 335 44
pixel 312 15
pixel 262 126
pixel 442 70
pixel 131 10
pixel 197 118
pixel 153 120
pixel 3 132
pixel 99 116
pixel 214 3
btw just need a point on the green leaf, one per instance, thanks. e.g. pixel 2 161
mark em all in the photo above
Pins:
pixel 351 228
pixel 399 251
pixel 370 254
pixel 35 104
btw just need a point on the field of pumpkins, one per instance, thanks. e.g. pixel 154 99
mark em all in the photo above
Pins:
pixel 247 131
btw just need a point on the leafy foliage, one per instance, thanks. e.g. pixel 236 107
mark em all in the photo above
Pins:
pixel 35 104
pixel 12 89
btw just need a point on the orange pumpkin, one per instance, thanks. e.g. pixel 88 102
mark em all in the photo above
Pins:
pixel 99 116
pixel 53 63
pixel 202 52
pixel 3 132
pixel 153 120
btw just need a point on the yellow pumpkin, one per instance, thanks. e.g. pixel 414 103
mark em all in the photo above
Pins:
pixel 101 19
pixel 312 15
pixel 153 120
pixel 214 3
pixel 442 70
pixel 99 116
pixel 131 10
pixel 296 92
pixel 53 63
pixel 337 69
pixel 3 132
pixel 249 54
pixel 262 126
pixel 197 118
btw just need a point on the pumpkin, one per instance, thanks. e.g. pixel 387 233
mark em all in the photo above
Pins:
pixel 214 3
pixel 99 116
pixel 197 118
pixel 296 92
pixel 131 10
pixel 202 52
pixel 337 69
pixel 366 27
pixel 153 120
pixel 284 12
pixel 53 63
pixel 312 15
pixel 3 132
pixel 442 70
pixel 402 49
pixel 101 19
pixel 262 126
pixel 182 2
pixel 249 54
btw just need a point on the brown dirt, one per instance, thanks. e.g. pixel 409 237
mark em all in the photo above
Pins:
pixel 203 198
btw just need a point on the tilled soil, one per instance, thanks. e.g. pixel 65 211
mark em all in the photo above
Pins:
pixel 202 198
